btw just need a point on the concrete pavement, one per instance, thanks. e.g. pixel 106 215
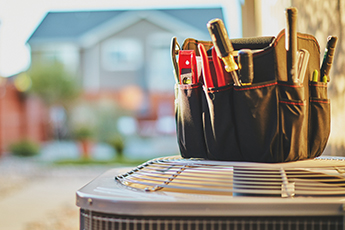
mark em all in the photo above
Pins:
pixel 37 196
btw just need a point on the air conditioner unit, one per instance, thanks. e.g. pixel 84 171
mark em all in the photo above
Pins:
pixel 173 193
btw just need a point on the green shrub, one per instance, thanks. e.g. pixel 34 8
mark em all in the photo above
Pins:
pixel 24 148
pixel 53 83
pixel 118 144
pixel 83 133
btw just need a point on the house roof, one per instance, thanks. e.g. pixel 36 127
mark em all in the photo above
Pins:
pixel 73 25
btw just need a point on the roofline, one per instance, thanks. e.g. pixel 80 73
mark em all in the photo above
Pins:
pixel 40 41
pixel 131 17
pixel 176 26
pixel 37 25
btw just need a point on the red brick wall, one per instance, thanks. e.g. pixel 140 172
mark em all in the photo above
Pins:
pixel 21 116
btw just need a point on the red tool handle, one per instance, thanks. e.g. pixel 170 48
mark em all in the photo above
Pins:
pixel 187 67
pixel 208 81
pixel 218 67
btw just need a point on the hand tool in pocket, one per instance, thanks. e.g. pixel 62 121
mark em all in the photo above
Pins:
pixel 328 57
pixel 246 71
pixel 208 81
pixel 174 48
pixel 218 67
pixel 302 63
pixel 315 77
pixel 187 67
pixel 223 47
pixel 291 43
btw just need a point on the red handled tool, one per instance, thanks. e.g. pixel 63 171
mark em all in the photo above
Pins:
pixel 218 67
pixel 208 81
pixel 187 67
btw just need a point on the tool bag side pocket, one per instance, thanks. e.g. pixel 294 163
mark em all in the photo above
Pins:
pixel 293 122
pixel 189 125
pixel 256 121
pixel 219 129
pixel 320 118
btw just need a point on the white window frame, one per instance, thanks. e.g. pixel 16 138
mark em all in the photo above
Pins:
pixel 131 50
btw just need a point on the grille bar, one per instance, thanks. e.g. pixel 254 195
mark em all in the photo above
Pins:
pixel 315 177
pixel 101 221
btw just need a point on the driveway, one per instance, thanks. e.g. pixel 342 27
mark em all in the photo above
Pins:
pixel 35 196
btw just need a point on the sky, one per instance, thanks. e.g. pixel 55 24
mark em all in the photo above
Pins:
pixel 19 18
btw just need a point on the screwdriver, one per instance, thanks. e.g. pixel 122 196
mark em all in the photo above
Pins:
pixel 291 43
pixel 328 57
pixel 245 60
pixel 223 47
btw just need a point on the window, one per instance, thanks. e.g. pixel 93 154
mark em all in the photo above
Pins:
pixel 66 54
pixel 123 54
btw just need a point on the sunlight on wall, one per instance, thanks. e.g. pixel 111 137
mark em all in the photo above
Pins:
pixel 272 16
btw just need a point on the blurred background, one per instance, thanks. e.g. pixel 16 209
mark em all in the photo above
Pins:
pixel 88 85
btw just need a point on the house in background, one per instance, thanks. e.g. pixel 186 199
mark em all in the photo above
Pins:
pixel 121 54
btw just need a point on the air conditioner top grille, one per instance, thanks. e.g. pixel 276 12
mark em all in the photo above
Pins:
pixel 316 177
pixel 173 186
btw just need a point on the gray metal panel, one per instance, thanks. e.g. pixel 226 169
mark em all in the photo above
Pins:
pixel 106 195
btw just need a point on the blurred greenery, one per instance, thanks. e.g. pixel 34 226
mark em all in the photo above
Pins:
pixel 53 84
pixel 89 161
pixel 108 114
pixel 118 144
pixel 83 133
pixel 96 120
pixel 100 118
pixel 24 148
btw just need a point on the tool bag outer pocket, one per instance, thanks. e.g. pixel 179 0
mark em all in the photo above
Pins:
pixel 189 124
pixel 293 122
pixel 320 118
pixel 219 128
pixel 256 120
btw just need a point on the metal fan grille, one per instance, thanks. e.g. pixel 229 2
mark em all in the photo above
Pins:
pixel 317 177
pixel 97 221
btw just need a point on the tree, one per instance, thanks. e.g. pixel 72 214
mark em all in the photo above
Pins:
pixel 53 84
pixel 57 88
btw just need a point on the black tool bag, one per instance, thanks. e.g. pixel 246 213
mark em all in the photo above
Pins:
pixel 271 120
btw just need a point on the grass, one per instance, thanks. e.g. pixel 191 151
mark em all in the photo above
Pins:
pixel 89 161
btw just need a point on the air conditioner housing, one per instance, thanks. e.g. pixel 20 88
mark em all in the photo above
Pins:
pixel 174 193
